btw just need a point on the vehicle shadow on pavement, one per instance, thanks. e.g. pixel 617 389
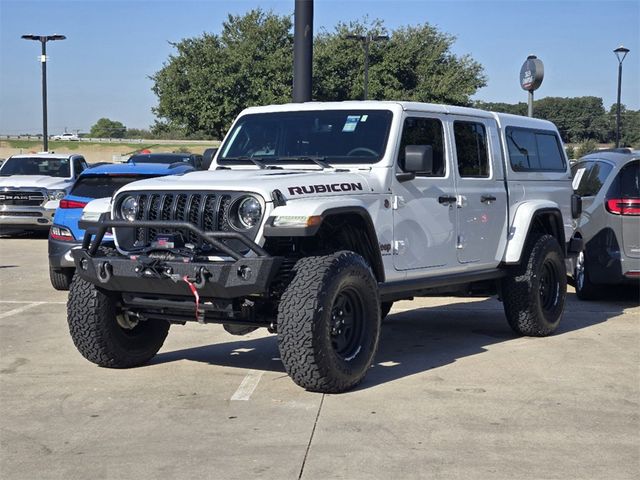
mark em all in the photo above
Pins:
pixel 28 235
pixel 258 353
pixel 415 341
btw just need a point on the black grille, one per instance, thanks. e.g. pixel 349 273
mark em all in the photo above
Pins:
pixel 22 198
pixel 208 211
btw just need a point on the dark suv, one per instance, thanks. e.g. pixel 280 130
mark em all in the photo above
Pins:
pixel 192 159
pixel 609 225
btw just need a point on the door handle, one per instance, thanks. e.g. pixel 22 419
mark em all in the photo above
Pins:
pixel 446 199
pixel 487 198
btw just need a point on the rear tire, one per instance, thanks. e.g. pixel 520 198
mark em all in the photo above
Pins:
pixel 103 335
pixel 329 322
pixel 535 292
pixel 585 289
pixel 60 278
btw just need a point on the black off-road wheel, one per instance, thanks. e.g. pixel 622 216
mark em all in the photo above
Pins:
pixel 106 336
pixel 585 289
pixel 535 291
pixel 60 277
pixel 329 322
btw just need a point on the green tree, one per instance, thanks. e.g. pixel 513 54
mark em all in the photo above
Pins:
pixel 585 147
pixel 416 64
pixel 106 128
pixel 211 78
pixel 629 126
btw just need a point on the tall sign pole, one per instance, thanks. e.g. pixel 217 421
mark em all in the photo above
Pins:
pixel 302 50
pixel 531 75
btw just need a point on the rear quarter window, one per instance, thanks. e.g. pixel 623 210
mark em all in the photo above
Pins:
pixel 533 150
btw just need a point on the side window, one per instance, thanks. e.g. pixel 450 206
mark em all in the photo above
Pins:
pixel 424 131
pixel 471 149
pixel 592 178
pixel 549 152
pixel 534 150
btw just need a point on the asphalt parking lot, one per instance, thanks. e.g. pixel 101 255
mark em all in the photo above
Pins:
pixel 452 394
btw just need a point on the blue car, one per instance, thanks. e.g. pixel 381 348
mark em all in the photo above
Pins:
pixel 97 182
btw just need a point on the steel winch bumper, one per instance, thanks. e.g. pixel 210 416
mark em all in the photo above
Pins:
pixel 239 276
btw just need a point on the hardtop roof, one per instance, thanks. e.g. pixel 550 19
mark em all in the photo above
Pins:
pixel 503 119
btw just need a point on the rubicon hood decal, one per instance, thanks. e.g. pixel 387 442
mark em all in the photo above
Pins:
pixel 329 187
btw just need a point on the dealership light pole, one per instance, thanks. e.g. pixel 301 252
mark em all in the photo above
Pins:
pixel 621 53
pixel 366 41
pixel 43 39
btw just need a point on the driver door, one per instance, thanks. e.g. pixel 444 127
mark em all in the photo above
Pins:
pixel 424 209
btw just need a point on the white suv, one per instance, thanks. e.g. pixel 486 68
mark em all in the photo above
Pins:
pixel 316 217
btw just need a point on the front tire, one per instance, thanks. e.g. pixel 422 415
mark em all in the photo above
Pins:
pixel 329 322
pixel 535 291
pixel 60 278
pixel 104 335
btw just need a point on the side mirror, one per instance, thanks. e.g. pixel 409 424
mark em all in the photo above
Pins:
pixel 417 158
pixel 207 157
pixel 576 205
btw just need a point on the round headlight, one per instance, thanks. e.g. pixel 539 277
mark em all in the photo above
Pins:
pixel 129 209
pixel 249 212
pixel 56 194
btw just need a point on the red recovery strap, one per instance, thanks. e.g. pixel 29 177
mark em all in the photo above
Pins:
pixel 196 295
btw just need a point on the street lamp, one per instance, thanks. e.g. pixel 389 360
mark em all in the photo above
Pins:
pixel 43 39
pixel 621 53
pixel 366 40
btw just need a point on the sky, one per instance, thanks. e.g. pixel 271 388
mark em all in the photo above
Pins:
pixel 102 69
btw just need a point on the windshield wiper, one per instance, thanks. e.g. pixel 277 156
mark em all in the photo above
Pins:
pixel 307 158
pixel 260 163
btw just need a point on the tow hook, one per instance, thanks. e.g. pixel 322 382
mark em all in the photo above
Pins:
pixel 105 271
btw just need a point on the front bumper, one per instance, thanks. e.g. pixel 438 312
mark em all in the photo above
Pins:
pixel 26 217
pixel 174 275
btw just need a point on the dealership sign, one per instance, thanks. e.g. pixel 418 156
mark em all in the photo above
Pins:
pixel 531 73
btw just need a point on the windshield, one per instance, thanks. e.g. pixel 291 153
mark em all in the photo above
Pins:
pixel 100 186
pixel 50 167
pixel 333 136
pixel 159 158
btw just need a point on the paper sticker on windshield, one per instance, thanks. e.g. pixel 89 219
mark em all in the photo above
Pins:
pixel 577 177
pixel 364 118
pixel 351 123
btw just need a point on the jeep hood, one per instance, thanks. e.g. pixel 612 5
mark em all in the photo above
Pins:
pixel 35 181
pixel 291 183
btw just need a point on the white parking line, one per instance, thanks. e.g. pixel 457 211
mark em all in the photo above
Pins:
pixel 20 309
pixel 23 301
pixel 248 385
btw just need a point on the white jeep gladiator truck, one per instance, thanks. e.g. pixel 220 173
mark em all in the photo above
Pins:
pixel 314 218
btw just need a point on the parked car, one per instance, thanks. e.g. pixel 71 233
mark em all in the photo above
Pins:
pixel 31 187
pixel 168 158
pixel 71 137
pixel 609 225
pixel 97 182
